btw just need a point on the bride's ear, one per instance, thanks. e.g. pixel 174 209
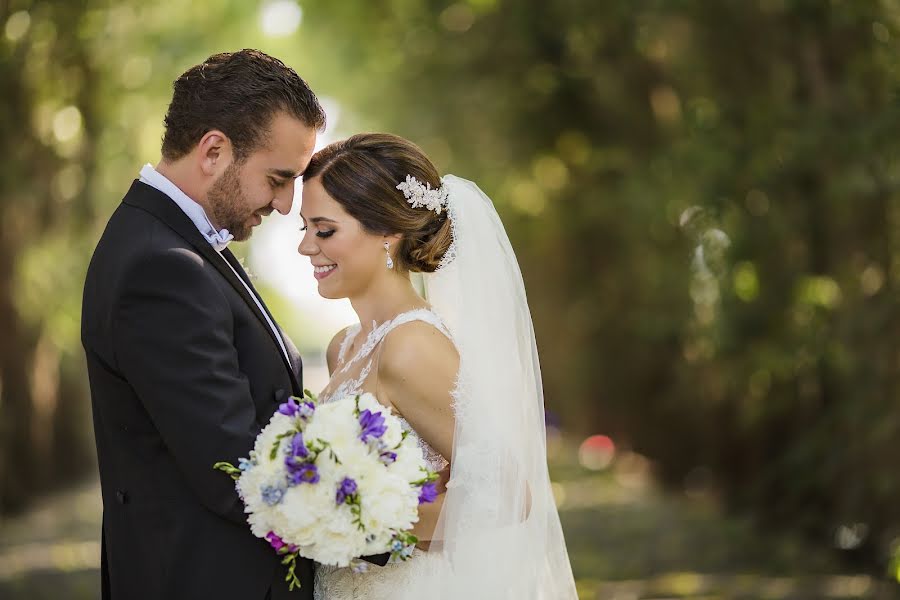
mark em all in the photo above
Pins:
pixel 214 152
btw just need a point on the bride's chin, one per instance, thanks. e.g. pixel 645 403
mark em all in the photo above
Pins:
pixel 328 295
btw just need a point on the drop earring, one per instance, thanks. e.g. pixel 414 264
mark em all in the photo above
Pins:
pixel 387 251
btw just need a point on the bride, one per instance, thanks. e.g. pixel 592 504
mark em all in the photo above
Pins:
pixel 457 363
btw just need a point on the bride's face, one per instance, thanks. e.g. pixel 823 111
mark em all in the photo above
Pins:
pixel 345 258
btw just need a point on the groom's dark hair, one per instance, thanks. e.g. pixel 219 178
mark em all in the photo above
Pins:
pixel 237 93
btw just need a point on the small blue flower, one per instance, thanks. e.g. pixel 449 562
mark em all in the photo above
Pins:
pixel 397 546
pixel 358 566
pixel 387 457
pixel 372 424
pixel 245 464
pixel 306 410
pixel 345 490
pixel 272 495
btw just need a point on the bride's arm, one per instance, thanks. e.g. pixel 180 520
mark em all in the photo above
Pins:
pixel 417 374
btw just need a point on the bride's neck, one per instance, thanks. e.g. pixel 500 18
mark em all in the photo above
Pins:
pixel 385 299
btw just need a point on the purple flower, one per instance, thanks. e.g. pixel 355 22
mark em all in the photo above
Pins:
pixel 296 451
pixel 289 408
pixel 428 493
pixel 387 457
pixel 275 541
pixel 347 488
pixel 298 447
pixel 278 543
pixel 302 473
pixel 372 425
pixel 293 408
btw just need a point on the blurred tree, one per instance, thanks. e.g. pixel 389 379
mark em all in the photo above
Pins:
pixel 703 197
pixel 83 110
pixel 47 134
pixel 704 201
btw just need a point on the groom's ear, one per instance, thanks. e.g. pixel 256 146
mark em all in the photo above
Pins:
pixel 214 153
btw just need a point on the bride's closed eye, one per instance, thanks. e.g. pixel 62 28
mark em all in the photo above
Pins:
pixel 321 234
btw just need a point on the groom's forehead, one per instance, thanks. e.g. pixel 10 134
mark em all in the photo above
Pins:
pixel 283 163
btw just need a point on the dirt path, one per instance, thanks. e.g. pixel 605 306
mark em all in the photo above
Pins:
pixel 627 541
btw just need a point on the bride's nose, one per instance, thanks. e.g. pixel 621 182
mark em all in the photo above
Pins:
pixel 307 247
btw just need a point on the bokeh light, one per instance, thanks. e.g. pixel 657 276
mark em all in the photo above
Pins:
pixel 280 18
pixel 596 452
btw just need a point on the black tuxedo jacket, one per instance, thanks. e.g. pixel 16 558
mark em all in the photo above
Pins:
pixel 184 372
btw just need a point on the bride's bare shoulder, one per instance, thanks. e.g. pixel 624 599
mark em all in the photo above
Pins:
pixel 419 357
pixel 417 374
pixel 418 342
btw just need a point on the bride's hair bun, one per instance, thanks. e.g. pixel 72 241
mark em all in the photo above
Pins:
pixel 425 254
pixel 362 173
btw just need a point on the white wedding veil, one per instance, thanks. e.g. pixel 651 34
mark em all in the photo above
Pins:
pixel 499 534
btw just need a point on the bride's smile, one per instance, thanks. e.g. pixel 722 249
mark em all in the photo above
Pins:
pixel 321 272
pixel 346 258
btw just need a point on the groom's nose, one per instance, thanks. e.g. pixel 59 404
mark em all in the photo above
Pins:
pixel 283 201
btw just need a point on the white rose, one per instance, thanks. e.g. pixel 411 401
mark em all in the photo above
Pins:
pixel 388 501
pixel 278 425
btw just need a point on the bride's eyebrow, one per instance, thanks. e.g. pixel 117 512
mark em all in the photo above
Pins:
pixel 318 219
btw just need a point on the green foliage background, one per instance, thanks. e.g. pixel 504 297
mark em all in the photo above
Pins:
pixel 703 197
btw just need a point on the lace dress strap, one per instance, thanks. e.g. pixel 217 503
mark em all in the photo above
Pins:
pixel 349 379
pixel 378 333
pixel 419 314
pixel 349 336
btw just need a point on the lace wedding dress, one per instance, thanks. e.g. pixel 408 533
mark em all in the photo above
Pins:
pixel 499 535
pixel 352 376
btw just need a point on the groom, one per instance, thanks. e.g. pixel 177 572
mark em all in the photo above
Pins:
pixel 185 362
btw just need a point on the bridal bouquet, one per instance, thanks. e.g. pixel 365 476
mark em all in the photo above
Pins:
pixel 333 482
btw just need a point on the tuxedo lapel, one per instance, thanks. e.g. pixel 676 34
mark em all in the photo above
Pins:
pixel 235 263
pixel 155 202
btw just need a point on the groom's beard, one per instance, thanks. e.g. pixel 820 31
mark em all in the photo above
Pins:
pixel 229 206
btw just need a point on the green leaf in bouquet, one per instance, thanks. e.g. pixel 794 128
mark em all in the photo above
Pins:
pixel 229 469
pixel 429 477
pixel 290 560
pixel 277 443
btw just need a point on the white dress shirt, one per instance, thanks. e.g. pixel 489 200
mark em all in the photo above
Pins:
pixel 218 239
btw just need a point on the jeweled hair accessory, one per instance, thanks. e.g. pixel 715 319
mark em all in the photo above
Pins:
pixel 421 194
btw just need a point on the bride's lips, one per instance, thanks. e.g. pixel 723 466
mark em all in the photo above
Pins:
pixel 321 272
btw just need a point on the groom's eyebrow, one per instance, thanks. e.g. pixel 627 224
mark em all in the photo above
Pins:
pixel 286 173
